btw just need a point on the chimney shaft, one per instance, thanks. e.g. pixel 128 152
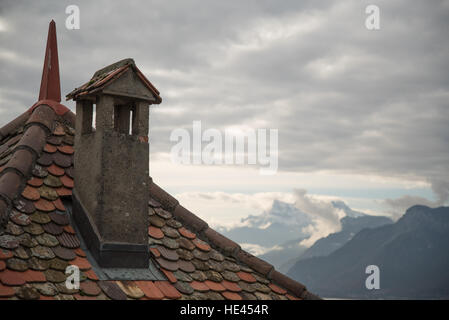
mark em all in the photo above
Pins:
pixel 112 170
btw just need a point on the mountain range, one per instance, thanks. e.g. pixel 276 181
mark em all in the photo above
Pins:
pixel 276 234
pixel 412 256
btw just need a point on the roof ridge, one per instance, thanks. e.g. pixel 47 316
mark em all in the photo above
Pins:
pixel 39 124
pixel 227 246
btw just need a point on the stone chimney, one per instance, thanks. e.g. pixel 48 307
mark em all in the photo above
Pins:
pixel 110 196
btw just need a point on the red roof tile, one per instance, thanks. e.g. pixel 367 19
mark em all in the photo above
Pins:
pixel 55 170
pixel 245 276
pixel 231 286
pixel 155 232
pixel 155 252
pixel 167 289
pixel 67 182
pixel 5 254
pixel 62 192
pixel 231 295
pixel 33 276
pixel 35 182
pixel 91 275
pixel 12 278
pixel 44 205
pixel 186 233
pixel 215 286
pixel 277 289
pixel 50 148
pixel 59 205
pixel 82 263
pixel 66 149
pixel 150 290
pixel 199 286
pixel 30 193
pixel 6 291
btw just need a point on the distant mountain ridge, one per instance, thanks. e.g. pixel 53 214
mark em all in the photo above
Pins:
pixel 282 223
pixel 350 226
pixel 276 234
pixel 412 255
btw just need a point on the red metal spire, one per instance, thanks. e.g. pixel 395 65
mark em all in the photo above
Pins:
pixel 50 85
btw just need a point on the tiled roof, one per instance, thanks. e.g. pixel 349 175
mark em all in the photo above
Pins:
pixel 39 241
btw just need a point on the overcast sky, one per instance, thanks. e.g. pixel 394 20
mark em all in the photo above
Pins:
pixel 362 115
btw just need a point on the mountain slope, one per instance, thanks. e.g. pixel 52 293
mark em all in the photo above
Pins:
pixel 349 227
pixel 412 255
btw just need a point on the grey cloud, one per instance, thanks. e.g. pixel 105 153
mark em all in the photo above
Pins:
pixel 343 98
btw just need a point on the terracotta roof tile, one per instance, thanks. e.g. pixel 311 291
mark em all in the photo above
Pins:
pixel 231 295
pixel 186 233
pixel 34 276
pixel 44 205
pixel 167 289
pixel 35 182
pixel 79 252
pixel 5 254
pixel 55 170
pixel 82 263
pixel 12 278
pixel 91 275
pixel 277 289
pixel 155 232
pixel 150 290
pixel 199 286
pixel 62 192
pixel 66 149
pixel 245 276
pixel 2 265
pixel 169 275
pixel 70 230
pixel 231 286
pixel 6 291
pixel 59 206
pixel 215 286
pixel 50 148
pixel 155 252
pixel 67 181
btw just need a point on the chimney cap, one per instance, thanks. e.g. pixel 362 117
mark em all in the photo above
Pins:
pixel 135 86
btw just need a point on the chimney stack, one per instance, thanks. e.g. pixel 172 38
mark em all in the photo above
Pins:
pixel 110 196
